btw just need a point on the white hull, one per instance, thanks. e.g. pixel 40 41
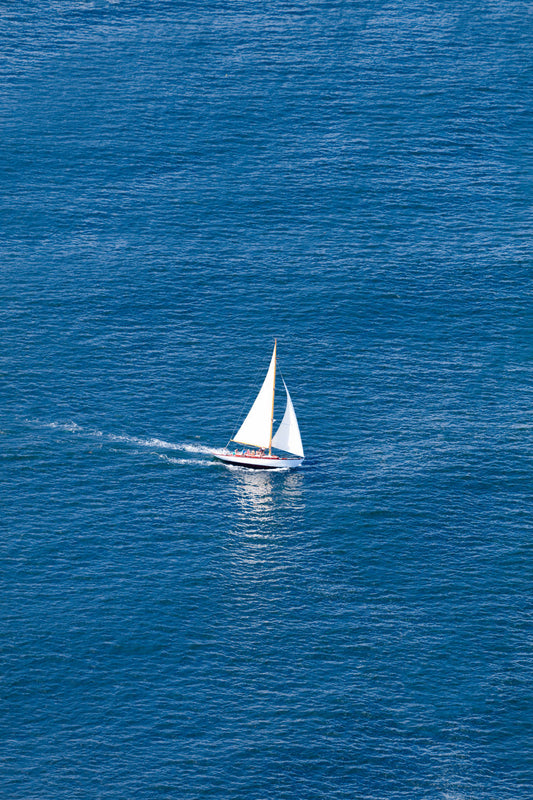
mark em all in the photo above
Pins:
pixel 257 462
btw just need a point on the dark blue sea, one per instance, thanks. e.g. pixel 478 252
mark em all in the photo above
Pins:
pixel 182 183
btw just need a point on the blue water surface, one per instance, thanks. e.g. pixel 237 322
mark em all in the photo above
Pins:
pixel 181 184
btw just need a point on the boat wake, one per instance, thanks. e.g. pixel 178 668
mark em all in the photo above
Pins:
pixel 151 442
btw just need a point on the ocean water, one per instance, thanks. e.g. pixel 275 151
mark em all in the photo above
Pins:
pixel 181 184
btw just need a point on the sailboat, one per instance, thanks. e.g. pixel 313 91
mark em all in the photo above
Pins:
pixel 256 432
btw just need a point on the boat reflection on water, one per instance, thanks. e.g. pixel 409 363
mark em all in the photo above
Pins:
pixel 265 539
pixel 266 498
pixel 253 490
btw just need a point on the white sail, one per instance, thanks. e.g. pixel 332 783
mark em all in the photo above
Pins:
pixel 256 429
pixel 287 436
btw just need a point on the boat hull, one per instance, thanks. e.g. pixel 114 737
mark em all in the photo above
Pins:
pixel 257 462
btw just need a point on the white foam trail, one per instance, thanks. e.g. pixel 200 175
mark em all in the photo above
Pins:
pixel 113 437
pixel 71 427
pixel 196 448
pixel 154 442
pixel 161 443
pixel 188 461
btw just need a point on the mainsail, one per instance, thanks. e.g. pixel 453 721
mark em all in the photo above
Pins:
pixel 256 430
pixel 287 436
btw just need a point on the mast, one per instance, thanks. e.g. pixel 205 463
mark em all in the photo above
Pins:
pixel 273 393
